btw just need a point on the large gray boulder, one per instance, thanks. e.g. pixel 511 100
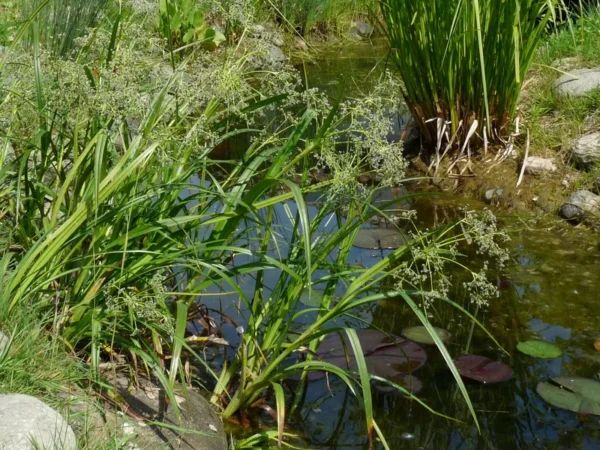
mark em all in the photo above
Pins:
pixel 578 83
pixel 586 150
pixel 198 428
pixel 27 424
pixel 582 206
pixel 534 165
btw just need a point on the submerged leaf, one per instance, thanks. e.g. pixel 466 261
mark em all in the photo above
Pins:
pixel 482 369
pixel 580 395
pixel 380 238
pixel 409 382
pixel 422 336
pixel 539 349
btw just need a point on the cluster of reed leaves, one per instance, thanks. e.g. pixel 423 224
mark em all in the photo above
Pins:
pixel 61 22
pixel 116 233
pixel 464 60
pixel 320 15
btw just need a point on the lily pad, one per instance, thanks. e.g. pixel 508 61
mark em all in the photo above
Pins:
pixel 580 395
pixel 385 356
pixel 482 369
pixel 539 349
pixel 420 335
pixel 314 299
pixel 409 382
pixel 380 238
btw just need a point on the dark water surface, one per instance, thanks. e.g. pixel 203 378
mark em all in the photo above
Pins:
pixel 549 291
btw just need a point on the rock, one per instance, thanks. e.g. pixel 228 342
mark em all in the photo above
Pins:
pixel 362 28
pixel 586 150
pixel 534 165
pixel 26 423
pixel 495 195
pixel 578 82
pixel 276 54
pixel 4 340
pixel 196 416
pixel 582 206
pixel 301 45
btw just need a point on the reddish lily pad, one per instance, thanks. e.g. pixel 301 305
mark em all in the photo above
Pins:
pixel 482 369
pixel 386 356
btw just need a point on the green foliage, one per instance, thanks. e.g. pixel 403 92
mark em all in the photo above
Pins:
pixel 320 15
pixel 464 61
pixel 61 22
pixel 181 22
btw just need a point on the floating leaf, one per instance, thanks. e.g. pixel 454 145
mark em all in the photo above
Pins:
pixel 312 299
pixel 482 369
pixel 580 395
pixel 380 238
pixel 386 356
pixel 422 336
pixel 539 349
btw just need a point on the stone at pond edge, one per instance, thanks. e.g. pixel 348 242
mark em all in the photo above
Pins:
pixel 25 420
pixel 495 195
pixel 578 82
pixel 4 340
pixel 586 150
pixel 534 165
pixel 581 206
pixel 197 415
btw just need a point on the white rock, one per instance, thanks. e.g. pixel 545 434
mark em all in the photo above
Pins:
pixel 578 83
pixel 26 423
pixel 4 340
pixel 586 150
pixel 534 165
pixel 582 205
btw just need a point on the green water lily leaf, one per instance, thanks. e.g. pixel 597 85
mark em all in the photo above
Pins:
pixel 539 349
pixel 421 336
pixel 313 299
pixel 580 395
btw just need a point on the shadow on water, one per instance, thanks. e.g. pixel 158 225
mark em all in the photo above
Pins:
pixel 550 291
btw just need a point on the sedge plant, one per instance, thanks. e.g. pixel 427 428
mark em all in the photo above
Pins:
pixel 464 61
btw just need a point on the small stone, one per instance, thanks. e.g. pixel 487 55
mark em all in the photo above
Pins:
pixel 278 41
pixel 586 150
pixel 534 165
pixel 25 420
pixel 128 429
pixel 582 205
pixel 578 82
pixel 301 45
pixel 4 340
pixel 276 54
pixel 495 195
pixel 363 28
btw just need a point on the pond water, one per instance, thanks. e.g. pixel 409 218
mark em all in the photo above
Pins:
pixel 549 291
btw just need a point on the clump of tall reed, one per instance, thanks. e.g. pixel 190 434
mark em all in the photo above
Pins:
pixel 464 61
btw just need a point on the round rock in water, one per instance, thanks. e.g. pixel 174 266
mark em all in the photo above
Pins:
pixel 380 238
pixel 482 369
pixel 586 150
pixel 582 205
pixel 578 83
pixel 26 423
